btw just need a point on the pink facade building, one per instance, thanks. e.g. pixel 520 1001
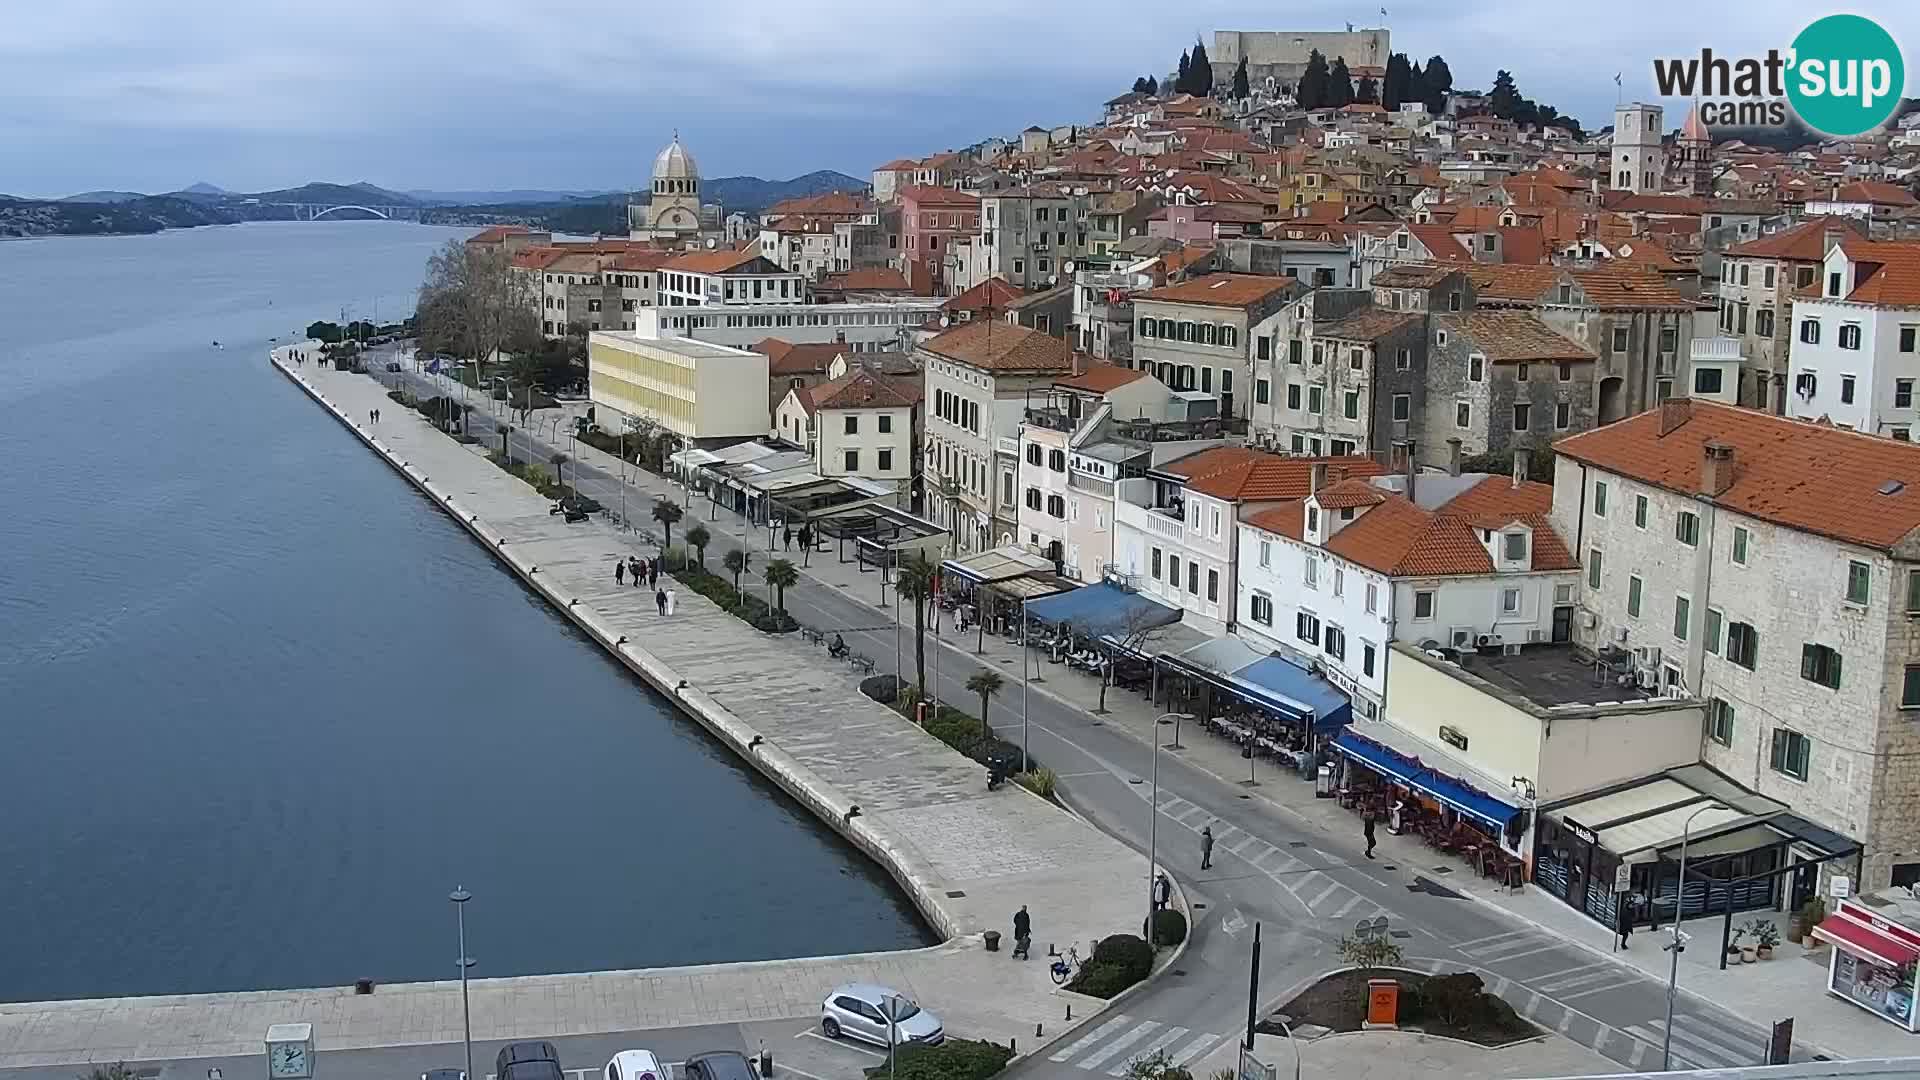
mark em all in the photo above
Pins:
pixel 931 218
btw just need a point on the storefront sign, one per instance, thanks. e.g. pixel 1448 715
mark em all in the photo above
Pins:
pixel 1579 831
pixel 1623 878
pixel 1453 737
pixel 1841 886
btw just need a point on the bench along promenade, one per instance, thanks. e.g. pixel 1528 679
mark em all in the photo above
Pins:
pixel 966 857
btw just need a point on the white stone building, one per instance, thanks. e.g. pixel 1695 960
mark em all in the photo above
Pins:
pixel 1467 563
pixel 1854 358
pixel 1056 419
pixel 1772 568
pixel 1639 160
pixel 864 327
pixel 864 423
pixel 731 278
pixel 672 209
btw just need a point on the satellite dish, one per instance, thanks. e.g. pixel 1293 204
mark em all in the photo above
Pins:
pixel 1053 279
pixel 1067 266
pixel 946 321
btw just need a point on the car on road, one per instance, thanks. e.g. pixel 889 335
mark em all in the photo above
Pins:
pixel 719 1065
pixel 444 1074
pixel 859 1011
pixel 635 1065
pixel 532 1060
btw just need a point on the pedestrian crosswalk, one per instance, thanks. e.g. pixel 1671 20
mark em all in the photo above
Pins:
pixel 1307 881
pixel 1117 1043
pixel 1700 1044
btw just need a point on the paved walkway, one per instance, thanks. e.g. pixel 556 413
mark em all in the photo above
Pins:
pixel 1409 1055
pixel 967 857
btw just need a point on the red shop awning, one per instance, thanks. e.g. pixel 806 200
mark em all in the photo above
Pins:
pixel 1858 937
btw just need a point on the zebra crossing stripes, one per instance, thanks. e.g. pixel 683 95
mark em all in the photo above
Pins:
pixel 1100 1057
pixel 1166 1039
pixel 1316 891
pixel 1595 978
pixel 1085 1041
pixel 1201 1043
pixel 1698 1044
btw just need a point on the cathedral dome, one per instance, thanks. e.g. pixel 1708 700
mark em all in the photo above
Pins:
pixel 674 163
pixel 1693 130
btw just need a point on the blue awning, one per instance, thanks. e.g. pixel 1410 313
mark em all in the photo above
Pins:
pixel 1414 773
pixel 1100 609
pixel 1273 684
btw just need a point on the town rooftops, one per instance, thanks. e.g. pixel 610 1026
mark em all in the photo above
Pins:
pixel 715 262
pixel 868 279
pixel 928 195
pixel 784 358
pixel 1828 481
pixel 1222 290
pixel 993 345
pixel 862 388
pixel 1413 275
pixel 1545 676
pixel 1805 242
pixel 1400 539
pixel 993 294
pixel 1241 474
pixel 1875 193
pixel 1099 378
pixel 1888 274
pixel 1366 324
pixel 1513 337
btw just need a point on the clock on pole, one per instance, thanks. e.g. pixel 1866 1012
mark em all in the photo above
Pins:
pixel 290 1052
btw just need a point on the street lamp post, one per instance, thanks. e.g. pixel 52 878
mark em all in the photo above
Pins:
pixel 460 896
pixel 1679 909
pixel 1153 819
pixel 1025 655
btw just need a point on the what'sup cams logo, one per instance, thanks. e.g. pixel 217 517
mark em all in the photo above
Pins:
pixel 1842 76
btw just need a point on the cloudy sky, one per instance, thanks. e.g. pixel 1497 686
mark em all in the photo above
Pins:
pixel 132 94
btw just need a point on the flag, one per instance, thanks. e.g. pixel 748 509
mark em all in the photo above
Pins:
pixel 1616 78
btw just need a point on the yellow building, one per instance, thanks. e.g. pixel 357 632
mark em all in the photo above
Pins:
pixel 699 391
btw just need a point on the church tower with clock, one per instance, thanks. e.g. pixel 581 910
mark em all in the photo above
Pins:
pixel 672 209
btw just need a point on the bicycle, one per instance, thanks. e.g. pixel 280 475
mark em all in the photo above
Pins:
pixel 1066 966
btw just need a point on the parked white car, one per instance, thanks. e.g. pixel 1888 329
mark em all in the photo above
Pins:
pixel 859 1011
pixel 635 1065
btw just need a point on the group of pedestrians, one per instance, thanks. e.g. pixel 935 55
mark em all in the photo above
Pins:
pixel 644 572
pixel 805 536
pixel 373 415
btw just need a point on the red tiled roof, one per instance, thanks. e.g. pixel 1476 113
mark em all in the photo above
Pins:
pixel 496 233
pixel 863 389
pixel 1805 242
pixel 998 346
pixel 1876 192
pixel 1399 538
pixel 1812 477
pixel 1221 290
pixel 869 279
pixel 1347 493
pixel 993 294
pixel 1236 473
pixel 1511 337
pixel 928 195
pixel 1101 378
pixel 1283 520
pixel 1366 324
pixel 784 358
pixel 1888 275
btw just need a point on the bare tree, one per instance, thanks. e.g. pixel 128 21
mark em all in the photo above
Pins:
pixel 1135 633
pixel 474 304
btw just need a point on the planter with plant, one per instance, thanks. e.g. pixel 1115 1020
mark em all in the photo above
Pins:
pixel 1766 937
pixel 1733 944
pixel 1812 914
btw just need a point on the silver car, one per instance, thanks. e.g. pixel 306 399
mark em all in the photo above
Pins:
pixel 859 1011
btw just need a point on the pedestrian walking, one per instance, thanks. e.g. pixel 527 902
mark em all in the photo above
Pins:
pixel 660 600
pixel 671 598
pixel 1366 829
pixel 1206 847
pixel 1162 891
pixel 1022 932
pixel 653 572
pixel 619 572
pixel 786 536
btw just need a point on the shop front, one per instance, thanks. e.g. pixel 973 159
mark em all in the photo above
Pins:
pixel 1422 790
pixel 1272 707
pixel 1873 962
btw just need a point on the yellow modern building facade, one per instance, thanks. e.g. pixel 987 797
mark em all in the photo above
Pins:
pixel 701 392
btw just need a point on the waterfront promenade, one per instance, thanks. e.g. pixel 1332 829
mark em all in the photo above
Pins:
pixel 966 857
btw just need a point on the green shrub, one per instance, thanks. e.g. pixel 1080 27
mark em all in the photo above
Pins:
pixel 1102 980
pixel 1169 927
pixel 1155 1066
pixel 955 1059
pixel 959 731
pixel 1370 952
pixel 1126 952
pixel 1039 781
pixel 1454 999
pixel 751 609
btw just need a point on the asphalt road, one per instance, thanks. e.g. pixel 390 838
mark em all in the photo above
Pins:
pixel 1305 887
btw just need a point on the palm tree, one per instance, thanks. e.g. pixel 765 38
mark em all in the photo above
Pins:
pixel 698 538
pixel 666 512
pixel 914 579
pixel 986 684
pixel 737 561
pixel 781 574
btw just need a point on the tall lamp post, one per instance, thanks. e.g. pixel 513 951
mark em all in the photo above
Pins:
pixel 1153 819
pixel 460 896
pixel 1674 946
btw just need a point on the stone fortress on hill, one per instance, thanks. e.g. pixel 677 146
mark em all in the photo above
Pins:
pixel 1281 55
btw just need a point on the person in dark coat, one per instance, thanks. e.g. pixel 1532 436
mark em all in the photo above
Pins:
pixel 786 537
pixel 1206 847
pixel 1022 931
pixel 660 600
pixel 653 573
pixel 620 572
pixel 1366 829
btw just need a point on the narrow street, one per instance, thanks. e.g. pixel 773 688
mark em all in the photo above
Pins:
pixel 1305 886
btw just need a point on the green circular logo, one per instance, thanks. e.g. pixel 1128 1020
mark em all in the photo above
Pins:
pixel 1846 75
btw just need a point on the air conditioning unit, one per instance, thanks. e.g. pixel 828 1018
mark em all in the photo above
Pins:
pixel 1534 637
pixel 1462 637
pixel 1647 678
pixel 1487 641
pixel 1588 620
pixel 1620 635
pixel 1512 650
pixel 1648 656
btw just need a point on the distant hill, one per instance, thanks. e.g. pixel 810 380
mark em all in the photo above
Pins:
pixel 204 188
pixel 334 193
pixel 104 197
pixel 750 194
pixel 496 198
pixel 145 214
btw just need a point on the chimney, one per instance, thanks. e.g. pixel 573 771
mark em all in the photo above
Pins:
pixel 1453 457
pixel 1316 477
pixel 1403 449
pixel 1716 469
pixel 1522 465
pixel 1673 413
pixel 1831 238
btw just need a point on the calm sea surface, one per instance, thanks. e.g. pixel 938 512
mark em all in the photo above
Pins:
pixel 262 706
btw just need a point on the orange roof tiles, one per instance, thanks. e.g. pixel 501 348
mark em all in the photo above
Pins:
pixel 496 233
pixel 1888 273
pixel 1221 290
pixel 1876 192
pixel 786 358
pixel 993 294
pixel 864 389
pixel 1616 287
pixel 1805 242
pixel 1101 378
pixel 928 195
pixel 869 279
pixel 1348 493
pixel 1511 337
pixel 1237 473
pixel 997 346
pixel 1399 538
pixel 1811 477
